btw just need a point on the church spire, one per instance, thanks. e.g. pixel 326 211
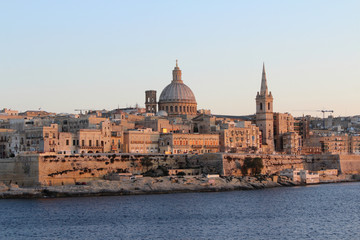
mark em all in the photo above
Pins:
pixel 177 73
pixel 264 88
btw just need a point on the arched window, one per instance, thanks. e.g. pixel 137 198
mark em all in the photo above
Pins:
pixel 260 106
pixel 176 108
pixel 180 109
pixel 167 109
pixel 171 108
pixel 187 108
pixel 268 106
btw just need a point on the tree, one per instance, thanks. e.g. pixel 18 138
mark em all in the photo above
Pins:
pixel 257 165
pixel 254 164
pixel 146 162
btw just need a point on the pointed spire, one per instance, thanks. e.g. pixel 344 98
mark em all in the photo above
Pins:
pixel 264 88
pixel 177 73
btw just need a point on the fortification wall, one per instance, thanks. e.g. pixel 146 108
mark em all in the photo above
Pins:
pixel 317 162
pixel 349 164
pixel 60 169
pixel 346 164
pixel 22 170
pixel 232 163
pixel 208 162
pixel 42 169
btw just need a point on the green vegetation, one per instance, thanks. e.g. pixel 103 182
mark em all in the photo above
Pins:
pixel 146 162
pixel 255 165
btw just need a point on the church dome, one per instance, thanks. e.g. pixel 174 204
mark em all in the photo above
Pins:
pixel 177 91
pixel 177 98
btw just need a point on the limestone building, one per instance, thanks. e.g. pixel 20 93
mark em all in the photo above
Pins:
pixel 355 144
pixel 176 98
pixel 283 123
pixel 182 143
pixel 240 139
pixel 264 114
pixel 141 141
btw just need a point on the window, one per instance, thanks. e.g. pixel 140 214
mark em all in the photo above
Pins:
pixel 90 143
pixel 268 106
pixel 74 142
pixel 82 142
pixel 176 109
pixel 171 108
pixel 67 142
pixel 260 106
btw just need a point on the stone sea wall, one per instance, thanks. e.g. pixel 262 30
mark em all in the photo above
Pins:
pixel 43 169
pixel 230 164
pixel 23 170
pixel 47 170
pixel 272 163
pixel 346 164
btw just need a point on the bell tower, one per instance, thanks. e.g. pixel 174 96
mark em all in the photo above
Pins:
pixel 150 101
pixel 264 113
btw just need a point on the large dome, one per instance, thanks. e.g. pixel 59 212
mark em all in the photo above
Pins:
pixel 177 92
pixel 177 98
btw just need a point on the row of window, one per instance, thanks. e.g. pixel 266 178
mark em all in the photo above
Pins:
pixel 195 142
pixel 76 143
pixel 179 109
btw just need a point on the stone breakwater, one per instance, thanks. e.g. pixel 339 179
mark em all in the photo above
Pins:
pixel 149 185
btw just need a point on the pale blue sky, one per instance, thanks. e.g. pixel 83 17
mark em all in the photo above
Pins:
pixel 63 55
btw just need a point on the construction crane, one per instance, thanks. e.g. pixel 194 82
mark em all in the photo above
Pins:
pixel 323 112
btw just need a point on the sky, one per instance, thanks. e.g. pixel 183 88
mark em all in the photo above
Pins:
pixel 59 56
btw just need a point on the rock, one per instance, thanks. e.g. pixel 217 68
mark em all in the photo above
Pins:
pixel 3 187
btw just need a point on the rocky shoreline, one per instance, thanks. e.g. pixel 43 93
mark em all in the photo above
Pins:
pixel 150 185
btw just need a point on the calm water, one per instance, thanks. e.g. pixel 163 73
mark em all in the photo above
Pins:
pixel 316 212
